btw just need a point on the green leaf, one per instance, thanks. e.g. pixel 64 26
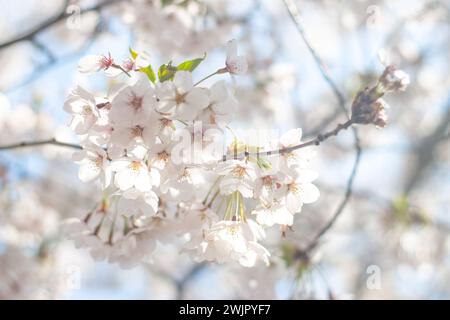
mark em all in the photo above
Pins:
pixel 166 2
pixel 190 65
pixel 133 53
pixel 264 164
pixel 166 72
pixel 148 70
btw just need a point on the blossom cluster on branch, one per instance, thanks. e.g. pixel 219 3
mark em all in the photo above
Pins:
pixel 168 173
pixel 158 188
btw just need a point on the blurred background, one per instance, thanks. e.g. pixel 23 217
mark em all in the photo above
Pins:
pixel 391 238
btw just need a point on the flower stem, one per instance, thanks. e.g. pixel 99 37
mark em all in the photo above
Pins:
pixel 121 69
pixel 219 71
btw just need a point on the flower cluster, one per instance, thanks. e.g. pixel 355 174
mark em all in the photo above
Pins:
pixel 368 107
pixel 167 174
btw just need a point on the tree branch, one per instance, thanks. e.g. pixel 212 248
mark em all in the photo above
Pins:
pixel 342 205
pixel 314 142
pixel 51 141
pixel 29 35
pixel 295 16
pixel 43 68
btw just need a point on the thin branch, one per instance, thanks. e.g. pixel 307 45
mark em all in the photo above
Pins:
pixel 180 284
pixel 51 141
pixel 191 274
pixel 341 207
pixel 219 71
pixel 424 151
pixel 29 35
pixel 44 49
pixel 43 68
pixel 314 142
pixel 295 16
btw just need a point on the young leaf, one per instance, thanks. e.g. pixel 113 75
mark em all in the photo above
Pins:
pixel 190 65
pixel 133 53
pixel 148 70
pixel 166 72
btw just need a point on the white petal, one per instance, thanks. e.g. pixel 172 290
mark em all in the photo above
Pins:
pixel 293 202
pixel 309 193
pixel 237 65
pixel 218 91
pixel 183 81
pixel 197 99
pixel 106 178
pixel 119 164
pixel 142 182
pixel 125 179
pixel 83 124
pixel 155 176
pixel 89 64
pixel 231 49
pixel 88 171
pixel 151 199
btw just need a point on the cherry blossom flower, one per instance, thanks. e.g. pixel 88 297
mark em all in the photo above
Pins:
pixel 235 64
pixel 94 63
pixel 81 104
pixel 275 213
pixel 180 182
pixel 288 162
pixel 300 190
pixel 94 164
pixel 133 172
pixel 133 105
pixel 235 241
pixel 128 137
pixel 222 105
pixel 237 176
pixel 141 61
pixel 180 99
pixel 136 203
pixel 394 79
pixel 270 186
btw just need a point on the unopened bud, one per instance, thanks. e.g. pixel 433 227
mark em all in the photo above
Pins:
pixel 366 110
pixel 379 113
pixel 394 79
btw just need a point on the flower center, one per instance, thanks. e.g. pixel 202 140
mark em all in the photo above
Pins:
pixel 239 171
pixel 267 180
pixel 87 110
pixel 106 62
pixel 233 230
pixel 293 187
pixel 137 131
pixel 185 175
pixel 179 98
pixel 136 102
pixel 128 65
pixel 166 122
pixel 212 118
pixel 98 161
pixel 135 165
pixel 163 156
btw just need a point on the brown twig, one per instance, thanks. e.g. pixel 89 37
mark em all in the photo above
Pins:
pixel 295 16
pixel 31 34
pixel 314 142
pixel 51 141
